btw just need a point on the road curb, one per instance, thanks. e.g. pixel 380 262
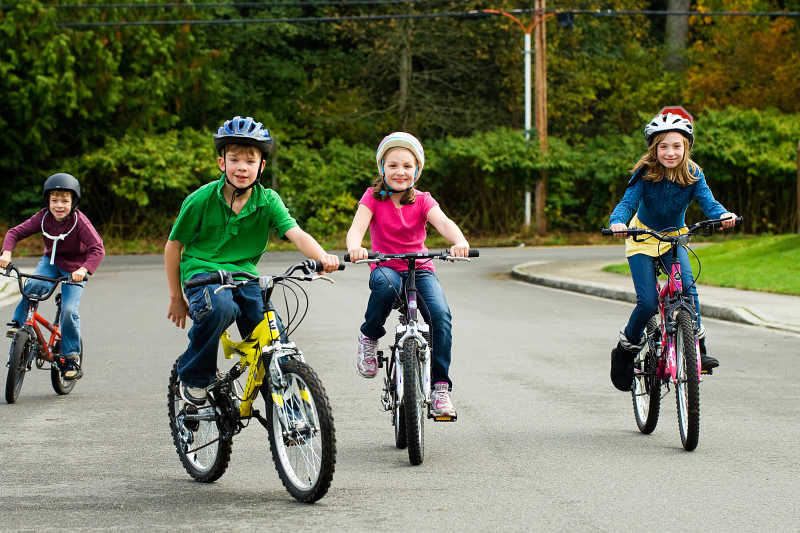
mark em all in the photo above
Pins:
pixel 741 315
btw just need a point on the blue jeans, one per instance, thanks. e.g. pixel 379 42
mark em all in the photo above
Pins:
pixel 644 282
pixel 211 315
pixel 70 301
pixel 385 284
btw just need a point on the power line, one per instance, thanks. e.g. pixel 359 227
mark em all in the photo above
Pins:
pixel 466 14
pixel 206 5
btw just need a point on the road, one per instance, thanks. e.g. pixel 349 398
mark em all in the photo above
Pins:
pixel 543 442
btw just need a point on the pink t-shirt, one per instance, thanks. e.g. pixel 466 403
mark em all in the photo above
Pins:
pixel 398 231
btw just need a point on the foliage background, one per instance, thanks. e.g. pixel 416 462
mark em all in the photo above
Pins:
pixel 130 109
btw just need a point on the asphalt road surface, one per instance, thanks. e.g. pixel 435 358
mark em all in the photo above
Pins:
pixel 543 441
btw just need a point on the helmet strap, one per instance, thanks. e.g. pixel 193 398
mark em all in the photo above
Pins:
pixel 389 191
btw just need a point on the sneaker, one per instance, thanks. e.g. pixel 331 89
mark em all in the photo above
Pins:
pixel 71 368
pixel 13 328
pixel 367 363
pixel 193 395
pixel 441 403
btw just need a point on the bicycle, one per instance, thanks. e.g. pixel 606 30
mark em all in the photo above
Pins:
pixel 671 354
pixel 407 380
pixel 28 344
pixel 298 416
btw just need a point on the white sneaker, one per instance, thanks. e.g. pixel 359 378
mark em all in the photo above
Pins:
pixel 367 362
pixel 441 403
pixel 193 395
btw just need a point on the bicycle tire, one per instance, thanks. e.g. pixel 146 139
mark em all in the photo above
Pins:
pixel 205 464
pixel 687 389
pixel 17 361
pixel 398 415
pixel 646 391
pixel 60 385
pixel 412 401
pixel 305 458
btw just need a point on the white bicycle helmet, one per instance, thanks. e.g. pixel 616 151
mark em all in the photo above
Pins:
pixel 400 139
pixel 669 122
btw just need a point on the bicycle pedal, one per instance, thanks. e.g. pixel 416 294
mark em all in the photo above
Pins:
pixel 444 418
pixel 708 372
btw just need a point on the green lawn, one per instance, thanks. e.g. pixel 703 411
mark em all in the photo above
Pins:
pixel 767 263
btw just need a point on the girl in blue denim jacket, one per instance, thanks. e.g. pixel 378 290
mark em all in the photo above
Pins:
pixel 664 182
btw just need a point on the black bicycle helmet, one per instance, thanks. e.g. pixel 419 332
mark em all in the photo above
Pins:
pixel 62 182
pixel 240 130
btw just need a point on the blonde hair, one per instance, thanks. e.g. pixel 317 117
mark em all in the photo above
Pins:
pixel 381 192
pixel 683 174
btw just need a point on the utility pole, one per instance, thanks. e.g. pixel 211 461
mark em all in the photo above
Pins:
pixel 541 102
pixel 541 116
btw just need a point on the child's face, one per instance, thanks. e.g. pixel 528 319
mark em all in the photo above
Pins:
pixel 670 150
pixel 399 167
pixel 241 164
pixel 60 204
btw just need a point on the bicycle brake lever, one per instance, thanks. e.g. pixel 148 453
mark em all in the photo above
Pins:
pixel 226 286
pixel 326 278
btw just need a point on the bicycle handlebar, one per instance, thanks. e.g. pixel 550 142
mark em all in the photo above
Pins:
pixel 223 277
pixel 39 297
pixel 706 225
pixel 444 255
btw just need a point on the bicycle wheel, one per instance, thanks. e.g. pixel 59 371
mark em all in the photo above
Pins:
pixel 61 385
pixel 305 453
pixel 398 413
pixel 203 453
pixel 687 390
pixel 17 361
pixel 413 398
pixel 646 390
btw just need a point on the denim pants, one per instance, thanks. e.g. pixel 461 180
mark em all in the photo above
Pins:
pixel 70 301
pixel 385 284
pixel 643 268
pixel 211 315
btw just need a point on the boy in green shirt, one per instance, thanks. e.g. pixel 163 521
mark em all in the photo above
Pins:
pixel 225 225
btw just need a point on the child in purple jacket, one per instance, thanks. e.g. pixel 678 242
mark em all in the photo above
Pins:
pixel 72 247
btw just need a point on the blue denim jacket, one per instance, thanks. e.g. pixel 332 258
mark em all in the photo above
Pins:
pixel 662 205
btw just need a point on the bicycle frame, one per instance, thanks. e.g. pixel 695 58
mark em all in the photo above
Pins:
pixel 670 300
pixel 45 346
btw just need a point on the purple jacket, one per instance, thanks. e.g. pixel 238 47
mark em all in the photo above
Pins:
pixel 83 247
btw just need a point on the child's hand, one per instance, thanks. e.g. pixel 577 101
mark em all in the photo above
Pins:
pixel 5 258
pixel 729 221
pixel 329 262
pixel 357 254
pixel 619 228
pixel 460 249
pixel 178 310
pixel 79 275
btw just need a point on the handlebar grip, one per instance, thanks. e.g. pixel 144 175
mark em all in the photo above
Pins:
pixel 606 231
pixel 347 258
pixel 473 252
pixel 202 279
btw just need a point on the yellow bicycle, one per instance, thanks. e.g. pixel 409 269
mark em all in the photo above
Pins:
pixel 298 413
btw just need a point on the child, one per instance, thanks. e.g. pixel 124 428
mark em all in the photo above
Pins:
pixel 664 183
pixel 72 247
pixel 225 225
pixel 396 214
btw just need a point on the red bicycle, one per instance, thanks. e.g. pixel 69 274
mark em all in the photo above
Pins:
pixel 29 345
pixel 671 354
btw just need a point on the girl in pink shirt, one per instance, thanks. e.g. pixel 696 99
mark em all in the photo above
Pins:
pixel 397 214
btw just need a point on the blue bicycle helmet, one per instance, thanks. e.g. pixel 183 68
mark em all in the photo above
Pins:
pixel 240 130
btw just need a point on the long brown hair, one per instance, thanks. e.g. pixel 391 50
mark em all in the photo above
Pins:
pixel 683 174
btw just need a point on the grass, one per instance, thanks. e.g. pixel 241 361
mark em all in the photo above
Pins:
pixel 768 263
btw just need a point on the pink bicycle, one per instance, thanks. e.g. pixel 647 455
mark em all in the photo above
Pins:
pixel 671 355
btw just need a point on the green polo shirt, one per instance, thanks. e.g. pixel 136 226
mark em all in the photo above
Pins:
pixel 215 238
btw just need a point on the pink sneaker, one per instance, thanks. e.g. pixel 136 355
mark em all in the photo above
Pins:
pixel 367 363
pixel 441 403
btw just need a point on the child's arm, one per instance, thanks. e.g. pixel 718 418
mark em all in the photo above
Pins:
pixel 356 234
pixel 450 231
pixel 178 306
pixel 309 246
